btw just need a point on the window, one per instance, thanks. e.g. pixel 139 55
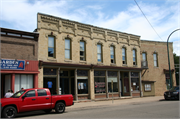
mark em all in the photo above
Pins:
pixel 99 52
pixel 134 57
pixel 67 49
pixel 144 60
pixel 51 50
pixel 123 55
pixel 112 54
pixel 112 76
pixel 155 60
pixel 25 81
pixel 82 86
pixel 168 84
pixel 147 87
pixel 30 93
pixel 99 82
pixel 42 92
pixel 82 51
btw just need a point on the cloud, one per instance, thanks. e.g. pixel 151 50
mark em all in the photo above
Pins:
pixel 22 15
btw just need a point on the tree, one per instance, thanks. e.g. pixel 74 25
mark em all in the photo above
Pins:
pixel 176 61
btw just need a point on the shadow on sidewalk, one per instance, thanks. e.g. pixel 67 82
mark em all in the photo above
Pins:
pixel 168 100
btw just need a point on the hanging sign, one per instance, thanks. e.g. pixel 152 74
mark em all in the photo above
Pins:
pixel 12 64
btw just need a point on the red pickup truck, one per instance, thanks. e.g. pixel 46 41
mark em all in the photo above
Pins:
pixel 34 99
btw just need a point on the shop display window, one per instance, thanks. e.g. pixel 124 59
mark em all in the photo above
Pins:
pixel 82 86
pixel 25 81
pixel 115 84
pixel 99 85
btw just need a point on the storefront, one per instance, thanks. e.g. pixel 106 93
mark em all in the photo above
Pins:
pixel 90 81
pixel 16 74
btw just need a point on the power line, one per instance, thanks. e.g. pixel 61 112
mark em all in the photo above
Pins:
pixel 147 19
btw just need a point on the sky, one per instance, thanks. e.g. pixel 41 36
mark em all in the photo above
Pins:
pixel 118 15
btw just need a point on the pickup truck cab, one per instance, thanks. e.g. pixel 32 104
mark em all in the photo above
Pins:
pixel 34 99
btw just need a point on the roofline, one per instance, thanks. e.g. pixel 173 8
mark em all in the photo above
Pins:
pixel 156 41
pixel 87 24
pixel 18 30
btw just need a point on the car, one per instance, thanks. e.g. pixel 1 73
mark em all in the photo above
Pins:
pixel 173 93
pixel 34 99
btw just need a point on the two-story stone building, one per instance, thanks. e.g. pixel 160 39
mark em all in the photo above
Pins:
pixel 92 62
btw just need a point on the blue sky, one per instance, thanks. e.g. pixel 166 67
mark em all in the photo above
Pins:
pixel 119 15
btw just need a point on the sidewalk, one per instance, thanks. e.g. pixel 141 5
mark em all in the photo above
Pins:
pixel 84 105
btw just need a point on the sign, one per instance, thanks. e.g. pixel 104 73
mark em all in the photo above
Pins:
pixel 12 64
pixel 49 84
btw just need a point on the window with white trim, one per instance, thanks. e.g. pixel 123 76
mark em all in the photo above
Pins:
pixel 82 51
pixel 99 52
pixel 134 57
pixel 51 48
pixel 112 54
pixel 123 55
pixel 147 87
pixel 67 49
pixel 155 60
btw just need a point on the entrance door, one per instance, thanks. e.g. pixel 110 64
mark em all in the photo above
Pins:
pixel 64 85
pixel 45 84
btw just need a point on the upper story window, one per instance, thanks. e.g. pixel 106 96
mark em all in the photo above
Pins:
pixel 155 60
pixel 99 52
pixel 123 55
pixel 112 54
pixel 67 49
pixel 144 56
pixel 82 51
pixel 51 46
pixel 134 57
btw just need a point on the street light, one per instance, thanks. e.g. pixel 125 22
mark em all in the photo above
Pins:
pixel 168 57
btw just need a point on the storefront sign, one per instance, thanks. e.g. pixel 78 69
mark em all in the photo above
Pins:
pixel 12 64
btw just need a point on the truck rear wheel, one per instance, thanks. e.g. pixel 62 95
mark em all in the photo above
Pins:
pixel 9 112
pixel 60 107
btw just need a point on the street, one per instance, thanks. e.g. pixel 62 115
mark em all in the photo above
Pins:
pixel 157 109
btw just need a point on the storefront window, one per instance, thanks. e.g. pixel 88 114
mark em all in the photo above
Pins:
pixel 82 72
pixel 25 81
pixel 134 84
pixel 115 84
pixel 99 85
pixel 82 86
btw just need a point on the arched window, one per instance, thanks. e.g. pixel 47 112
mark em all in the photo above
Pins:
pixel 124 56
pixel 51 46
pixel 112 52
pixel 82 51
pixel 155 59
pixel 134 57
pixel 67 48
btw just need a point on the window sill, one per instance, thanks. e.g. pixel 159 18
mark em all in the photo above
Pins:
pixel 134 65
pixel 99 63
pixel 84 62
pixel 51 59
pixel 112 64
pixel 125 65
pixel 67 60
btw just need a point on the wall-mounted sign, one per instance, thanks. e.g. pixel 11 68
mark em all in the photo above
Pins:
pixel 12 64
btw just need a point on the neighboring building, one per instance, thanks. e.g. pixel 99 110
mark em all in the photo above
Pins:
pixel 156 79
pixel 86 61
pixel 19 60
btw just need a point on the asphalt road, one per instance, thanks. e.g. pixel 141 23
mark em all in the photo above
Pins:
pixel 159 109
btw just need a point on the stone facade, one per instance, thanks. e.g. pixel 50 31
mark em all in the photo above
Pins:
pixel 62 29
